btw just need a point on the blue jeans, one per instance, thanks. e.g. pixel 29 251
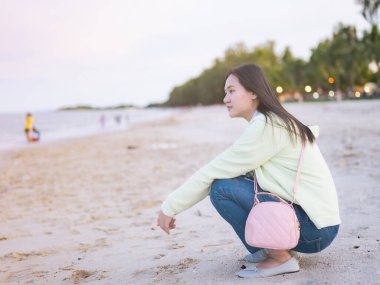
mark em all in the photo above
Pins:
pixel 233 199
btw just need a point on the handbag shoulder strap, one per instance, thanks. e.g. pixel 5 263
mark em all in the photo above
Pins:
pixel 298 176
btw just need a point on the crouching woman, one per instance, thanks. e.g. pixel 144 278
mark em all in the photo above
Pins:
pixel 270 146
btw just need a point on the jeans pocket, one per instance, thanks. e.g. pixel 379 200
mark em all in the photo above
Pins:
pixel 309 246
pixel 310 237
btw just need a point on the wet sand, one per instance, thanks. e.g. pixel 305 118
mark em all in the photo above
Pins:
pixel 84 210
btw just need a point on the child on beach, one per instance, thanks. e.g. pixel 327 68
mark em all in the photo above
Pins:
pixel 271 147
pixel 32 134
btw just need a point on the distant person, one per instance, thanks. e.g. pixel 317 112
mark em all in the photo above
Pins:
pixel 271 147
pixel 118 119
pixel 32 134
pixel 102 120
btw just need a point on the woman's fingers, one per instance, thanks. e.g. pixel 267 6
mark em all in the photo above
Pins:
pixel 172 224
pixel 166 223
pixel 172 227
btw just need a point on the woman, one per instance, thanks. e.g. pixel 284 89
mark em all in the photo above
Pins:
pixel 271 146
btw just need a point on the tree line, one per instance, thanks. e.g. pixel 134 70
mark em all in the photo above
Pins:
pixel 343 63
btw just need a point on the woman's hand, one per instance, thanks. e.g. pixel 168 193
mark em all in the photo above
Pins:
pixel 166 223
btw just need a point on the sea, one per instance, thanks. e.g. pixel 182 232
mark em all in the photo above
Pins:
pixel 61 125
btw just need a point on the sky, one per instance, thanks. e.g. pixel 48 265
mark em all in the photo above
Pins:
pixel 56 53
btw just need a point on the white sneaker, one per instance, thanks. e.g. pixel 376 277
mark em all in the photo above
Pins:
pixel 253 272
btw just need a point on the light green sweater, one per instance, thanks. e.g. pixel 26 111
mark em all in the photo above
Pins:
pixel 267 148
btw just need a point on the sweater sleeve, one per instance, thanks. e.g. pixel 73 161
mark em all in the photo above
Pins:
pixel 259 142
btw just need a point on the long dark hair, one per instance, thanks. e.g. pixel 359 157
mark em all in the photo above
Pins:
pixel 253 79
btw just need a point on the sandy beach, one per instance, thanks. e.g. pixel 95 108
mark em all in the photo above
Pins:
pixel 84 210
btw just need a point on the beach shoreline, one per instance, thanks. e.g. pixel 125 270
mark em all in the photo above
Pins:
pixel 83 210
pixel 56 126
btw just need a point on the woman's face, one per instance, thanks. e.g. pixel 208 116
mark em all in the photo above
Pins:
pixel 239 101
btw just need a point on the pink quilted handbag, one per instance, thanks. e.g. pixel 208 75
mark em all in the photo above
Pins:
pixel 273 224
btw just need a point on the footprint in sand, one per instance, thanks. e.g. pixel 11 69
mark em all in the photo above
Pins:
pixel 109 231
pixel 78 275
pixel 175 246
pixel 165 271
pixel 143 274
pixel 19 256
pixel 99 243
pixel 179 267
pixel 40 274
